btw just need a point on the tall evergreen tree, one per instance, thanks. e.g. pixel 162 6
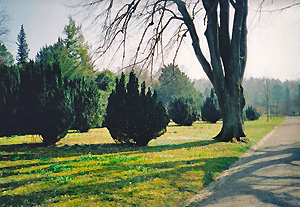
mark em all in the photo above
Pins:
pixel 58 54
pixel 23 50
pixel 78 49
pixel 183 111
pixel 70 53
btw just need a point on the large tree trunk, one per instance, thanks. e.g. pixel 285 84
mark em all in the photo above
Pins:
pixel 228 54
pixel 231 103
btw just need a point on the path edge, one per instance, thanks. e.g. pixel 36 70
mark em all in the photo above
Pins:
pixel 207 191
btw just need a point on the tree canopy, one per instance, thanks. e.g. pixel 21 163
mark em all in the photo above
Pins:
pixel 70 53
pixel 78 48
pixel 23 50
pixel 6 56
pixel 172 83
pixel 106 80
pixel 155 26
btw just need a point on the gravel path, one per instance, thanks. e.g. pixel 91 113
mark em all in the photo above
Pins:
pixel 268 175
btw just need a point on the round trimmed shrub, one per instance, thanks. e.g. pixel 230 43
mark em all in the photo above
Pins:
pixel 210 111
pixel 183 111
pixel 252 114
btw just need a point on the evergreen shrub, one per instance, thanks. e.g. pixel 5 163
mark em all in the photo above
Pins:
pixel 9 87
pixel 133 116
pixel 45 106
pixel 252 114
pixel 183 111
pixel 34 101
pixel 210 111
pixel 86 103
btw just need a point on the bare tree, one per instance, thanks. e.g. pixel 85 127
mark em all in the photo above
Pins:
pixel 266 92
pixel 284 5
pixel 227 50
pixel 158 25
pixel 3 24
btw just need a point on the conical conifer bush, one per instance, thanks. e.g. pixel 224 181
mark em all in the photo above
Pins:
pixel 134 116
pixel 33 100
pixel 252 114
pixel 183 111
pixel 210 111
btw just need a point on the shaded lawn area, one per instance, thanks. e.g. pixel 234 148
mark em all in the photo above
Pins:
pixel 88 169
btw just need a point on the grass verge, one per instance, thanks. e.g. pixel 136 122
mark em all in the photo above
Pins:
pixel 88 169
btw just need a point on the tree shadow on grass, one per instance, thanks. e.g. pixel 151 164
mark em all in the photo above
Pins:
pixel 259 180
pixel 78 153
pixel 134 177
pixel 38 151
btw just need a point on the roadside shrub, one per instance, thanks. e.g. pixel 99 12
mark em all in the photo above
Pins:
pixel 210 111
pixel 252 114
pixel 183 111
pixel 133 116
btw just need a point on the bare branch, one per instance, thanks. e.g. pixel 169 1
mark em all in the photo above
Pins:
pixel 179 45
pixel 233 3
pixel 3 22
pixel 277 10
pixel 194 11
pixel 212 36
pixel 195 39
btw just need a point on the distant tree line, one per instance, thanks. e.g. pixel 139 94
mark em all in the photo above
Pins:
pixel 283 96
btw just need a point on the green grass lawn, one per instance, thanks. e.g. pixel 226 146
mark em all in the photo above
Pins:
pixel 88 169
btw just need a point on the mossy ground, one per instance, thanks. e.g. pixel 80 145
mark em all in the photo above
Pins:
pixel 88 169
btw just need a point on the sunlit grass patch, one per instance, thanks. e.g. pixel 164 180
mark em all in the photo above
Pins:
pixel 90 170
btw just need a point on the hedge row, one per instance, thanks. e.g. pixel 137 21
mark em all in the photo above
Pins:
pixel 35 99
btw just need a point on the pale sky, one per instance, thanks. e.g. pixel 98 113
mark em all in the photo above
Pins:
pixel 273 40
